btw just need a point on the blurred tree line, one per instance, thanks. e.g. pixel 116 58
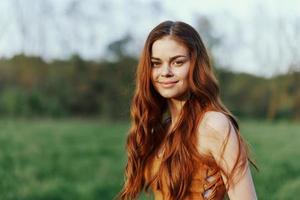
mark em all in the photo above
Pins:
pixel 31 87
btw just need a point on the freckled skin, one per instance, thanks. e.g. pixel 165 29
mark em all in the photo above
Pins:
pixel 168 70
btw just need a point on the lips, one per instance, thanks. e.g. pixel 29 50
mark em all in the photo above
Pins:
pixel 168 83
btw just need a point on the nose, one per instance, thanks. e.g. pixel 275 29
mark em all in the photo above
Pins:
pixel 166 71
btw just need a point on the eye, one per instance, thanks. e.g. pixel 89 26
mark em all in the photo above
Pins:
pixel 178 63
pixel 155 64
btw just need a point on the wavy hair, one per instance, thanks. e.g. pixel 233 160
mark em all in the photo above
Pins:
pixel 148 131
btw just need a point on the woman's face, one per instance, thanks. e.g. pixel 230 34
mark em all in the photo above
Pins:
pixel 170 64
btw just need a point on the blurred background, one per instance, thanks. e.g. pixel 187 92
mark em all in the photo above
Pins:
pixel 67 77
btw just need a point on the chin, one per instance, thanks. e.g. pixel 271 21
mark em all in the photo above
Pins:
pixel 170 95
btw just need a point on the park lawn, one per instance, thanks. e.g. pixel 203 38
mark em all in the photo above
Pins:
pixel 84 159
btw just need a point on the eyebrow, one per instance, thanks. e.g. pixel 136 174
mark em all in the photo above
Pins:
pixel 170 59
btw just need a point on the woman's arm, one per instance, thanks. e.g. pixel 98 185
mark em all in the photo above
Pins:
pixel 217 125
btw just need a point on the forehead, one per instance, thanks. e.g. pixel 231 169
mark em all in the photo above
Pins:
pixel 167 47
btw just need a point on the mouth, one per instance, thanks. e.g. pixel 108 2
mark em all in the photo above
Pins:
pixel 168 84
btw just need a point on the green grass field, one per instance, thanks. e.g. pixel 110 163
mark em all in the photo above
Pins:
pixel 84 159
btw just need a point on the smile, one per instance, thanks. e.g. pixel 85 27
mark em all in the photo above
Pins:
pixel 168 84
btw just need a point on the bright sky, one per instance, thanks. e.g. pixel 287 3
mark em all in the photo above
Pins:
pixel 258 37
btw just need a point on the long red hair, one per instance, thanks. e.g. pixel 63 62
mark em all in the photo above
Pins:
pixel 148 132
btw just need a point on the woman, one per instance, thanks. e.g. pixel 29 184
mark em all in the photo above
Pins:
pixel 183 142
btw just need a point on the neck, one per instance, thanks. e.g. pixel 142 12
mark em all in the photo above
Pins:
pixel 175 107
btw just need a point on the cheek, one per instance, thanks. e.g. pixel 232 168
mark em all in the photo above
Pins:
pixel 154 75
pixel 182 74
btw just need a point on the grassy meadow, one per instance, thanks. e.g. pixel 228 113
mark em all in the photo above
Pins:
pixel 84 159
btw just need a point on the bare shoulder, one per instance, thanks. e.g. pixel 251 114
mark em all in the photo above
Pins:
pixel 213 131
pixel 217 121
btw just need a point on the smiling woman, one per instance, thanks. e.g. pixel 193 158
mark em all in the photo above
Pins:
pixel 170 67
pixel 183 142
